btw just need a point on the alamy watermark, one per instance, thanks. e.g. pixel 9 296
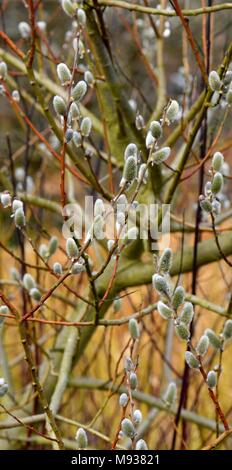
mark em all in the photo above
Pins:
pixel 100 221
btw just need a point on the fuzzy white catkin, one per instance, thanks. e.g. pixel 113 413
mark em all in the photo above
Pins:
pixel 227 330
pixel 202 345
pixel 19 218
pixel 15 95
pixel 172 111
pixel 42 25
pixel 139 122
pixel 229 96
pixel 63 73
pixel 211 379
pixel 128 428
pixel 217 161
pixel 57 268
pixel 43 250
pixel 68 7
pixel 81 17
pixel 133 380
pixel 228 77
pixel 28 281
pixel 214 81
pixel 143 173
pixel 134 328
pixel 69 135
pixel 141 445
pixel 89 78
pixel 128 364
pixel 217 183
pixel 160 284
pixel 77 268
pixel 79 91
pixel 110 244
pixel 130 169
pixel 35 294
pixel 187 313
pixel 122 203
pixel 20 174
pixel 98 227
pixel 6 200
pixel 99 208
pixel 3 387
pixel 178 297
pixel 191 360
pixel 150 141
pixel 3 70
pixel 182 331
pixel 170 394
pixel 117 304
pixel 59 105
pixel 131 151
pixel 4 309
pixel 165 261
pixel 132 233
pixel 123 400
pixel 15 275
pixel 155 129
pixel 86 126
pixel 52 246
pixel 24 29
pixel 81 438
pixel 71 248
pixel 164 311
pixel 206 205
pixel 214 340
pixel 77 139
pixel 16 204
pixel 137 417
pixel 74 111
pixel 161 155
pixel 216 207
